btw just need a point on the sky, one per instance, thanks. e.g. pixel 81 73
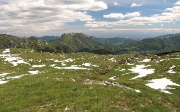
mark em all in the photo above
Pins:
pixel 99 18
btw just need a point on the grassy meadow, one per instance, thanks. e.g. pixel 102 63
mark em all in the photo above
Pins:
pixel 82 82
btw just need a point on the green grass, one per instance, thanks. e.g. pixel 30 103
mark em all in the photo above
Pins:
pixel 54 90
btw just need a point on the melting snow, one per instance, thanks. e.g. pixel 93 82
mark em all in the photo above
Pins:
pixel 171 69
pixel 86 64
pixel 89 64
pixel 15 77
pixel 137 91
pixel 112 59
pixel 3 74
pixel 38 66
pixel 53 65
pixel 146 60
pixel 140 69
pixel 130 64
pixel 34 72
pixel 13 60
pixel 161 84
pixel 2 82
pixel 113 78
pixel 6 51
pixel 72 67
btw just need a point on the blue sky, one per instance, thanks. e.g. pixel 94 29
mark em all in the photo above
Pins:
pixel 100 18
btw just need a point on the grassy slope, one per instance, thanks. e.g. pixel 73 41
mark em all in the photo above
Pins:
pixel 54 89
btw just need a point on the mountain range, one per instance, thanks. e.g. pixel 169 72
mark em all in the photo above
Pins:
pixel 79 42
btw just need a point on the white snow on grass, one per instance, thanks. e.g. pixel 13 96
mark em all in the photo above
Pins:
pixel 33 72
pixel 112 59
pixel 4 79
pixel 3 74
pixel 3 82
pixel 140 69
pixel 130 64
pixel 89 64
pixel 161 84
pixel 86 64
pixel 53 65
pixel 146 60
pixel 14 60
pixel 113 78
pixel 137 91
pixel 72 68
pixel 16 77
pixel 38 66
pixel 6 51
pixel 63 62
pixel 171 69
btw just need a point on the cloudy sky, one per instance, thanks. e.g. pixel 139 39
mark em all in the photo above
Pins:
pixel 100 18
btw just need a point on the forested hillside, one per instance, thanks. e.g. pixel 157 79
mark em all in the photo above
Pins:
pixel 79 42
pixel 153 45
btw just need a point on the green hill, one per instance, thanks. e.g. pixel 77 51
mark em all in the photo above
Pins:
pixel 81 42
pixel 153 45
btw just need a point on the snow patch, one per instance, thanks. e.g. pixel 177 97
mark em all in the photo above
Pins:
pixel 14 60
pixel 137 91
pixel 72 68
pixel 38 66
pixel 113 78
pixel 140 69
pixel 3 74
pixel 171 69
pixel 130 64
pixel 146 60
pixel 86 64
pixel 3 82
pixel 34 72
pixel 6 51
pixel 161 84
pixel 112 59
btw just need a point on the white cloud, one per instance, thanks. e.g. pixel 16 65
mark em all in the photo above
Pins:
pixel 136 29
pixel 79 4
pixel 43 15
pixel 136 5
pixel 121 16
pixel 115 3
pixel 170 15
pixel 177 3
pixel 114 15
pixel 134 14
